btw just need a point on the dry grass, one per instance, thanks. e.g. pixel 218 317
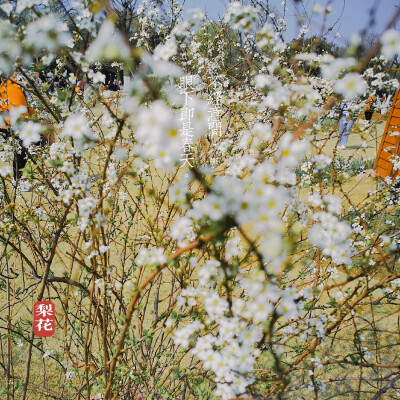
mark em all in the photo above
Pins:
pixel 355 188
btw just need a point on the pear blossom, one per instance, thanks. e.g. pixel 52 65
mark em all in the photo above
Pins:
pixel 290 151
pixel 152 256
pixel 77 127
pixel 86 206
pixel 321 161
pixel 47 32
pixel 68 167
pixel 390 43
pixel 351 86
pixel 165 51
pixel 30 133
pixel 241 16
pixel 5 171
pixel 7 8
pixel 180 228
pixel 108 45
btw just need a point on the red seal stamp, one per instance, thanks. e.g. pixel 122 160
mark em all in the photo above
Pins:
pixel 44 319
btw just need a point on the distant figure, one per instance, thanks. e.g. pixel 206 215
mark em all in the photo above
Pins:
pixel 79 87
pixel 384 103
pixel 368 109
pixel 113 85
pixel 63 83
pixel 12 96
pixel 346 122
pixel 143 66
pixel 50 81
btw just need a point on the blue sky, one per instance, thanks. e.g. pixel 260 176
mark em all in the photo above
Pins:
pixel 354 15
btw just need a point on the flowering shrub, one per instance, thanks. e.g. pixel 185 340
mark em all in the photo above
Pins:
pixel 251 272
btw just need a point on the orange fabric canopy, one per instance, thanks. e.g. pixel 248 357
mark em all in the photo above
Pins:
pixel 390 143
pixel 11 96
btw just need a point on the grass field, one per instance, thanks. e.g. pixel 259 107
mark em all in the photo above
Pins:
pixel 360 145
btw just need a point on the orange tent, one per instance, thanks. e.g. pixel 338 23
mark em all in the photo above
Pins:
pixel 390 144
pixel 12 96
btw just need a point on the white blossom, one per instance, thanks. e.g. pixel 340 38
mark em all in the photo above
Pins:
pixel 351 86
pixel 390 43
pixel 30 133
pixel 47 32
